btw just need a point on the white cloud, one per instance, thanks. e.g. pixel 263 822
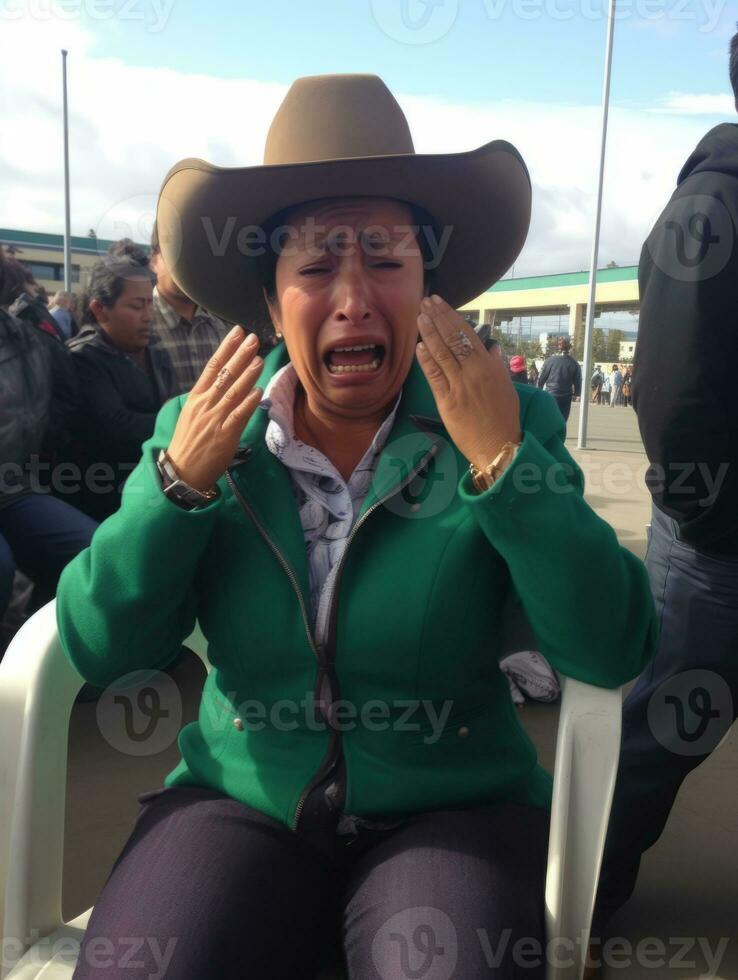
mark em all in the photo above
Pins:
pixel 129 124
pixel 696 104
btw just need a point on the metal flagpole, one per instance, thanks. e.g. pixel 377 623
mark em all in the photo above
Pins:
pixel 67 246
pixel 587 368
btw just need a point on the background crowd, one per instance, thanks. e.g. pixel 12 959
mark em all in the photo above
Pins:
pixel 80 388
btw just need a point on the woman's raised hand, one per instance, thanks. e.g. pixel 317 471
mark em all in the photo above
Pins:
pixel 217 409
pixel 475 397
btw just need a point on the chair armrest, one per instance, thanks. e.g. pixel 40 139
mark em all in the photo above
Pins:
pixel 38 686
pixel 587 754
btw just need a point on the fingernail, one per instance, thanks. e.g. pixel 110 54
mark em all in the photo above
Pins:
pixel 424 319
pixel 252 339
pixel 235 330
pixel 436 299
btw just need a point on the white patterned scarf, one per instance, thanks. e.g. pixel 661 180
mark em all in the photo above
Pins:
pixel 328 506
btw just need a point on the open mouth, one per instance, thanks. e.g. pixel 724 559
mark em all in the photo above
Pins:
pixel 359 359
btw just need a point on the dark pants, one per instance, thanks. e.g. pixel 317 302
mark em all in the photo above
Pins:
pixel 564 403
pixel 209 887
pixel 681 706
pixel 40 535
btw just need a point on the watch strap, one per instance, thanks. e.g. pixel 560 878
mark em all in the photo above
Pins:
pixel 483 479
pixel 177 490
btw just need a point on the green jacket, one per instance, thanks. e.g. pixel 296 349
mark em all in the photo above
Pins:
pixel 415 620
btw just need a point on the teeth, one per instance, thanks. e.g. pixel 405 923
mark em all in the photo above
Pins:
pixel 346 368
pixel 363 347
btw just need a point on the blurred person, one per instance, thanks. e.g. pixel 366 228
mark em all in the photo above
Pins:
pixel 595 386
pixel 188 333
pixel 627 387
pixel 123 375
pixel 683 380
pixel 24 304
pixel 561 376
pixel 533 375
pixel 60 309
pixel 518 369
pixel 38 533
pixel 74 313
pixel 616 385
pixel 270 505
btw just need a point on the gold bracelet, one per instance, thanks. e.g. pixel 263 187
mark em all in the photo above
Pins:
pixel 483 479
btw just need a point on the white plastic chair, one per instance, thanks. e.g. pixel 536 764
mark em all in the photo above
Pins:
pixel 38 687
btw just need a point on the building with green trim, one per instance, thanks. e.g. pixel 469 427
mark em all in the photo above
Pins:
pixel 525 313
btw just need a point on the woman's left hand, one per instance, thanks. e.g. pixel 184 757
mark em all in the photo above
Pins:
pixel 474 393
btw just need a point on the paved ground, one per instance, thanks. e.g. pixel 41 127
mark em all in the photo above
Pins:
pixel 688 884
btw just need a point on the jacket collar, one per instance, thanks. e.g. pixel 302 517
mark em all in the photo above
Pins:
pixel 265 483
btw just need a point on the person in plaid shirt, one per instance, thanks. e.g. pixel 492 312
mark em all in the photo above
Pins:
pixel 188 333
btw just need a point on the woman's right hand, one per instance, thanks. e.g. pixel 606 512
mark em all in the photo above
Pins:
pixel 216 411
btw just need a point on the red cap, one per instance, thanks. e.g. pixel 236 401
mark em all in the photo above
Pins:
pixel 517 364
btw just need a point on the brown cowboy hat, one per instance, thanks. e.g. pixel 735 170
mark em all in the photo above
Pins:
pixel 339 136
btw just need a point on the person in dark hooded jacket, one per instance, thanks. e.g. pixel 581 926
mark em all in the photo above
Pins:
pixel 38 533
pixel 122 377
pixel 683 394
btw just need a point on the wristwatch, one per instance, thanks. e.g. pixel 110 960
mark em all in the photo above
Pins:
pixel 483 479
pixel 177 490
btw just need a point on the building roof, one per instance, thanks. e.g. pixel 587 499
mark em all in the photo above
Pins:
pixel 624 274
pixel 41 239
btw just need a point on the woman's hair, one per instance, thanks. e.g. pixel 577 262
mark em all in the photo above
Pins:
pixel 734 64
pixel 14 277
pixel 266 263
pixel 123 261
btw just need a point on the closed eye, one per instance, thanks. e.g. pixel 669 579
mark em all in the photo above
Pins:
pixel 314 270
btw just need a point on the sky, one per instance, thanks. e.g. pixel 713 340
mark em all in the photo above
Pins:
pixel 154 81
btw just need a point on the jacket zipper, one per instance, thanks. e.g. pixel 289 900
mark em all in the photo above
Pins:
pixel 333 753
pixel 282 561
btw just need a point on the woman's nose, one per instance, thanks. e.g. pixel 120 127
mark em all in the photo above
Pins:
pixel 352 300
